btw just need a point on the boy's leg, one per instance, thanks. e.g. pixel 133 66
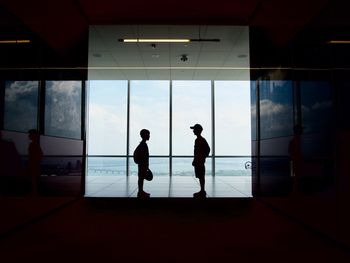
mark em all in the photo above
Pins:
pixel 140 184
pixel 202 183
pixel 141 174
pixel 200 174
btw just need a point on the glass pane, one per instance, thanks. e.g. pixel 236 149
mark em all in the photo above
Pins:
pixel 106 177
pixel 316 101
pixel 191 105
pixel 343 94
pixel 106 166
pixel 60 176
pixel 232 118
pixel 63 109
pixel 21 105
pixel 253 109
pixel 158 165
pixel 233 166
pixel 149 109
pixel 183 167
pixel 107 117
pixel 276 109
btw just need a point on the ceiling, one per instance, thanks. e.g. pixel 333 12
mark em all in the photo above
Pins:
pixel 227 59
pixel 64 24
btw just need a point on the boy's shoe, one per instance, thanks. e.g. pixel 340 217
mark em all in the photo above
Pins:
pixel 143 195
pixel 200 194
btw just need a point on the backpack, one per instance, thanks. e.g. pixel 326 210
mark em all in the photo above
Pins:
pixel 136 155
pixel 207 149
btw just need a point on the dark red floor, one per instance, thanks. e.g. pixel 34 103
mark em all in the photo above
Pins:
pixel 167 230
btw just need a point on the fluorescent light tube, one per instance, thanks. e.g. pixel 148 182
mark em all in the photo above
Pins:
pixel 155 40
pixel 15 41
pixel 339 42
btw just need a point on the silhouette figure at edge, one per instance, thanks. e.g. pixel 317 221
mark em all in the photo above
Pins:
pixel 141 158
pixel 10 162
pixel 294 150
pixel 35 156
pixel 201 152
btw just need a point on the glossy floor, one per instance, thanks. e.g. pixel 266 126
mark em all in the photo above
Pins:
pixel 163 186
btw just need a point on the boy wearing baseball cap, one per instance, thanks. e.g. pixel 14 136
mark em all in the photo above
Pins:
pixel 201 152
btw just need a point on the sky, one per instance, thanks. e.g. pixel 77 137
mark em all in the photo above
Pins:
pixel 150 109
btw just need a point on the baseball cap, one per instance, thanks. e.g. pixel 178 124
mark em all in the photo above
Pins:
pixel 197 127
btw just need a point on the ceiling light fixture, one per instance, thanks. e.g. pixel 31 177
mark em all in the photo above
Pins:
pixel 15 41
pixel 165 40
pixel 339 42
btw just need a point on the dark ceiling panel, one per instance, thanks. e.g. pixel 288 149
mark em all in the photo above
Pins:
pixel 168 12
pixel 282 20
pixel 63 24
pixel 59 23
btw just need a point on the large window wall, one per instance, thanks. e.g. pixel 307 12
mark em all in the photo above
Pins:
pixel 52 107
pixel 118 110
pixel 55 109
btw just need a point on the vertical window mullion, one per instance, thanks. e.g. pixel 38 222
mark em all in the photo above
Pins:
pixel 42 106
pixel 170 127
pixel 84 114
pixel 2 104
pixel 127 129
pixel 213 127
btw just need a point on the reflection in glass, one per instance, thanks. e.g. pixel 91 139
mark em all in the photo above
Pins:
pixel 107 117
pixel 21 105
pixel 63 109
pixel 61 166
pixel 191 105
pixel 343 94
pixel 316 100
pixel 149 109
pixel 232 118
pixel 253 109
pixel 276 109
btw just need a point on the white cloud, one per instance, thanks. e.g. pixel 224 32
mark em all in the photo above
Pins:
pixel 321 105
pixel 268 107
pixel 19 88
pixel 67 87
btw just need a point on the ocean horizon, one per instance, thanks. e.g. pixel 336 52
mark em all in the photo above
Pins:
pixel 116 166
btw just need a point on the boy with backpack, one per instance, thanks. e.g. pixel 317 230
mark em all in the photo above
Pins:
pixel 141 158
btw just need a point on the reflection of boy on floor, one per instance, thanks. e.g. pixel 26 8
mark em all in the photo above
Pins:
pixel 201 151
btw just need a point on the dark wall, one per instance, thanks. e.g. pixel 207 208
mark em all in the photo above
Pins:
pixel 26 102
pixel 303 83
pixel 56 110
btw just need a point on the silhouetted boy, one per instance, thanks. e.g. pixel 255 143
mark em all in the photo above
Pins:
pixel 141 157
pixel 35 156
pixel 201 151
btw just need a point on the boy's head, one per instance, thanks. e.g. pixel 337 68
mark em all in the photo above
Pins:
pixel 298 129
pixel 145 134
pixel 33 134
pixel 197 129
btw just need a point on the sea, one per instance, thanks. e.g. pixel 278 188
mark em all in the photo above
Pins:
pixel 114 166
